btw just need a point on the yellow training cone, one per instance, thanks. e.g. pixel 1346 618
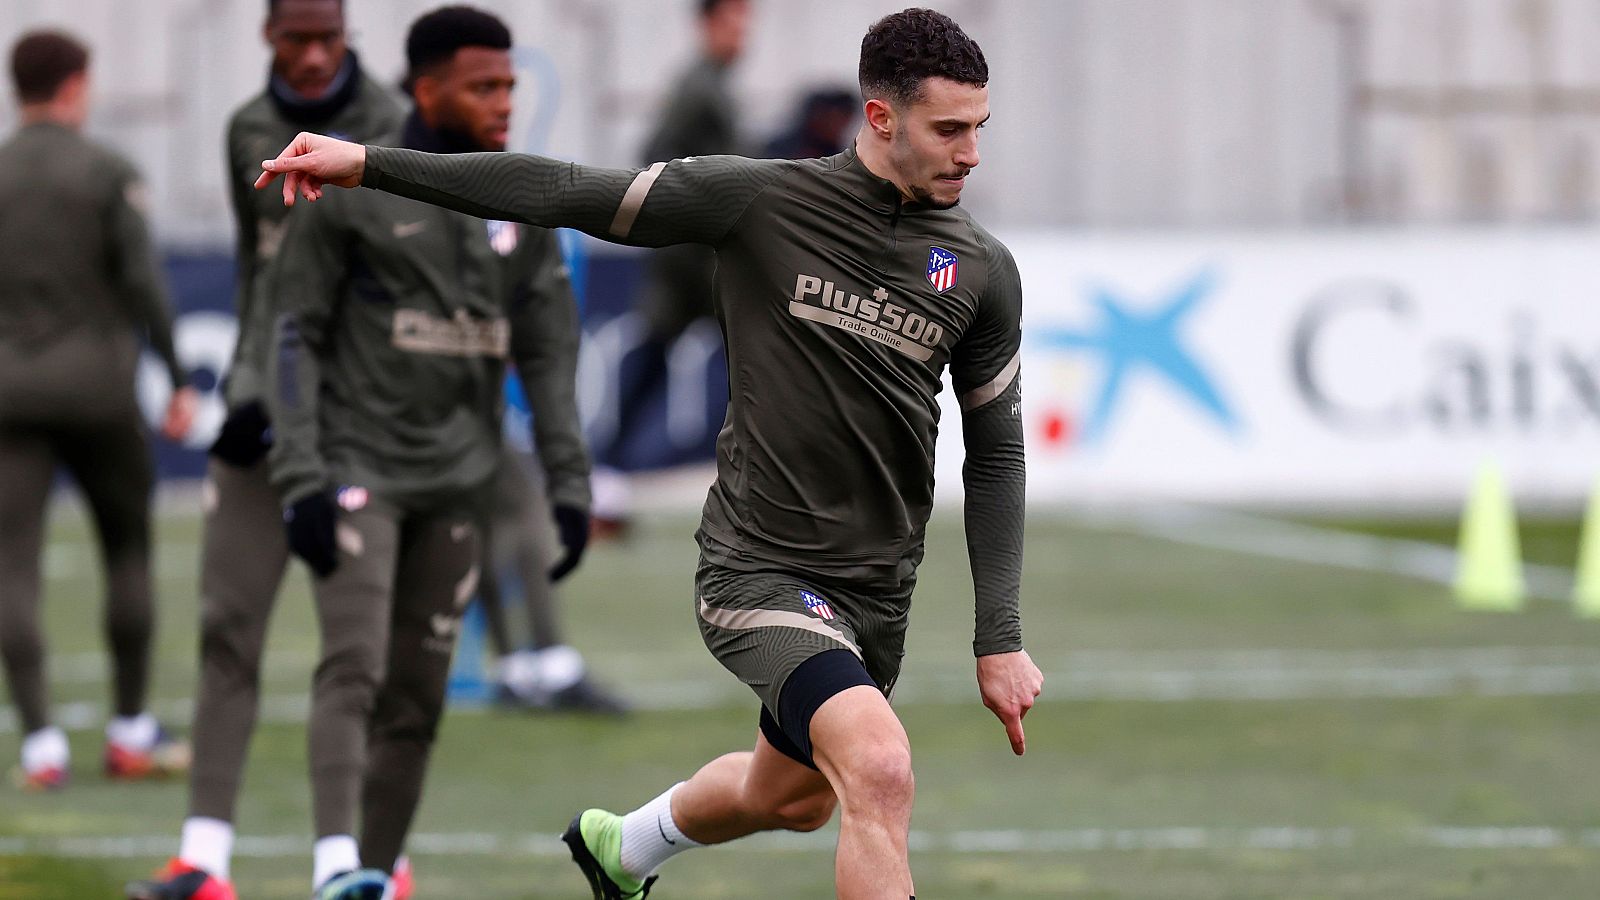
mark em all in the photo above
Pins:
pixel 1586 589
pixel 1489 561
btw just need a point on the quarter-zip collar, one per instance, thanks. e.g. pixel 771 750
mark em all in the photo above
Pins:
pixel 879 194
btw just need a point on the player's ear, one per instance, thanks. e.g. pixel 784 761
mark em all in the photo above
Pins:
pixel 880 118
pixel 425 90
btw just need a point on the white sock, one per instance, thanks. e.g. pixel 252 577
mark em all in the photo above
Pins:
pixel 44 749
pixel 134 732
pixel 559 667
pixel 650 836
pixel 331 856
pixel 207 844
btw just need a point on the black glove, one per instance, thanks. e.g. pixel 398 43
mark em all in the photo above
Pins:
pixel 310 522
pixel 245 436
pixel 572 527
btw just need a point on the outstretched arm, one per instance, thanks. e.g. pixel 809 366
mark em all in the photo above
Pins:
pixel 985 367
pixel 694 200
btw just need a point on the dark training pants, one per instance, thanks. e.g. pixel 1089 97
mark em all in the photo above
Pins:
pixel 243 555
pixel 519 534
pixel 389 616
pixel 110 461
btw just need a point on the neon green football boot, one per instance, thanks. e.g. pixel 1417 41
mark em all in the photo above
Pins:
pixel 595 838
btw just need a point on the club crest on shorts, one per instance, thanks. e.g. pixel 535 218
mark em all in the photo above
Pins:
pixel 941 269
pixel 352 498
pixel 817 605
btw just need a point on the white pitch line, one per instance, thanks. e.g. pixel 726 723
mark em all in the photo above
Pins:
pixel 976 842
pixel 1297 542
pixel 1154 676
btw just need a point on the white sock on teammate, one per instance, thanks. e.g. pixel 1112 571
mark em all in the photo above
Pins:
pixel 650 836
pixel 333 855
pixel 45 749
pixel 133 732
pixel 207 844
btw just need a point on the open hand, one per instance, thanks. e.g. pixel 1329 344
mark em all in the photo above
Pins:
pixel 311 161
pixel 1009 682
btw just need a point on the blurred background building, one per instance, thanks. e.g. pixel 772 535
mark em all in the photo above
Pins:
pixel 1137 146
pixel 1108 113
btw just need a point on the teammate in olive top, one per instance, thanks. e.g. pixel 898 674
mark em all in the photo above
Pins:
pixel 79 286
pixel 395 321
pixel 315 81
pixel 844 286
pixel 699 119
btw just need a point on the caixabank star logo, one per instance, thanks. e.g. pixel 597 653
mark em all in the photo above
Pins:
pixel 1093 367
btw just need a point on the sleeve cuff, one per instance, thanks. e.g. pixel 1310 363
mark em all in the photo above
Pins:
pixel 990 648
pixel 371 171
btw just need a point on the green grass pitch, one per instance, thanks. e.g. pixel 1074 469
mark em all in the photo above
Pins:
pixel 1214 725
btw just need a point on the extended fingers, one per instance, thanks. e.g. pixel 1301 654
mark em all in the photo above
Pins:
pixel 1019 742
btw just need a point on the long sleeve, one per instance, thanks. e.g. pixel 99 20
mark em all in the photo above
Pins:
pixel 302 285
pixel 685 201
pixel 985 370
pixel 135 273
pixel 244 373
pixel 544 336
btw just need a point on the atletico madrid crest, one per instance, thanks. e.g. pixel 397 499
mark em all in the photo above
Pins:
pixel 817 604
pixel 941 269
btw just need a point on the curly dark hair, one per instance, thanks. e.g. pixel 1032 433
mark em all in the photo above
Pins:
pixel 903 49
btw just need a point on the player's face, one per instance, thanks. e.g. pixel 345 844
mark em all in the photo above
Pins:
pixel 935 141
pixel 472 96
pixel 307 38
pixel 726 29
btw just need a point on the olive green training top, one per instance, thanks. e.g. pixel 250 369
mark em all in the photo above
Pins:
pixel 395 321
pixel 79 281
pixel 841 310
pixel 257 130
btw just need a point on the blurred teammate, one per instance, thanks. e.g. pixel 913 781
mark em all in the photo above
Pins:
pixel 819 129
pixel 699 119
pixel 844 287
pixel 547 673
pixel 315 81
pixel 395 322
pixel 78 288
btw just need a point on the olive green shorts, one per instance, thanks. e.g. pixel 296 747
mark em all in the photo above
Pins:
pixel 762 625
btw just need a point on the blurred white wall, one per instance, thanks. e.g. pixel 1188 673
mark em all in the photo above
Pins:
pixel 1107 113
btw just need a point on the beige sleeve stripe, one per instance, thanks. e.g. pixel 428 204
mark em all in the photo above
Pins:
pixel 981 395
pixel 633 200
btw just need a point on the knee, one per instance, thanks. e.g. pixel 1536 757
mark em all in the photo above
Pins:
pixel 878 777
pixel 229 634
pixel 806 814
pixel 407 716
pixel 130 618
pixel 353 672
